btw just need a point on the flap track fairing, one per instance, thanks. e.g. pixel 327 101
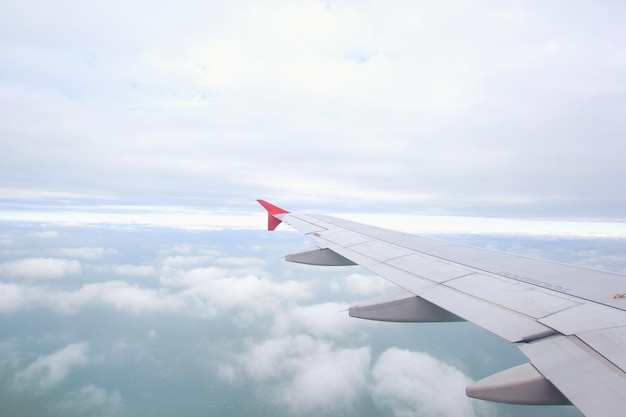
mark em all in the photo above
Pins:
pixel 402 306
pixel 521 384
pixel 319 256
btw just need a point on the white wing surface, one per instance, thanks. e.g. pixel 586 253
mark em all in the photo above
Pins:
pixel 569 321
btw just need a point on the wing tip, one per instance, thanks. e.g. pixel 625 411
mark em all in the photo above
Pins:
pixel 272 210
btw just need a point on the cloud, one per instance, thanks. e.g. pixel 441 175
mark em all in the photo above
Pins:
pixel 214 289
pixel 307 376
pixel 118 294
pixel 91 400
pixel 40 268
pixel 294 353
pixel 414 383
pixel 178 250
pixel 206 292
pixel 48 370
pixel 240 262
pixel 325 320
pixel 49 234
pixel 366 285
pixel 421 106
pixel 608 262
pixel 15 297
pixel 85 252
pixel 134 270
pixel 183 261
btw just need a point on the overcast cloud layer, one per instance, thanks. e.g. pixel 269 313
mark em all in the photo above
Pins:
pixel 475 108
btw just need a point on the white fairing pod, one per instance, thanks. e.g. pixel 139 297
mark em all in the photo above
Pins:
pixel 401 306
pixel 522 384
pixel 319 256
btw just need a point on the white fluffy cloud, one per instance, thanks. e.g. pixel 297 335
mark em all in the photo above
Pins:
pixel 310 375
pixel 117 294
pixel 85 252
pixel 306 375
pixel 48 234
pixel 48 370
pixel 367 285
pixel 189 261
pixel 121 295
pixel 240 262
pixel 206 292
pixel 91 400
pixel 134 270
pixel 213 289
pixel 325 320
pixel 41 268
pixel 15 297
pixel 414 383
pixel 296 354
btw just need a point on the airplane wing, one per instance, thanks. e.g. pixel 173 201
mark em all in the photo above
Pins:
pixel 569 321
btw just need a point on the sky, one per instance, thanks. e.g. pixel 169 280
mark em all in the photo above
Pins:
pixel 135 137
pixel 464 108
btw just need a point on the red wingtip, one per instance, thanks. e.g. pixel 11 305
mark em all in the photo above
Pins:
pixel 272 222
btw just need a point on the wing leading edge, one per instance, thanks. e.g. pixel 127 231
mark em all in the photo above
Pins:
pixel 562 317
